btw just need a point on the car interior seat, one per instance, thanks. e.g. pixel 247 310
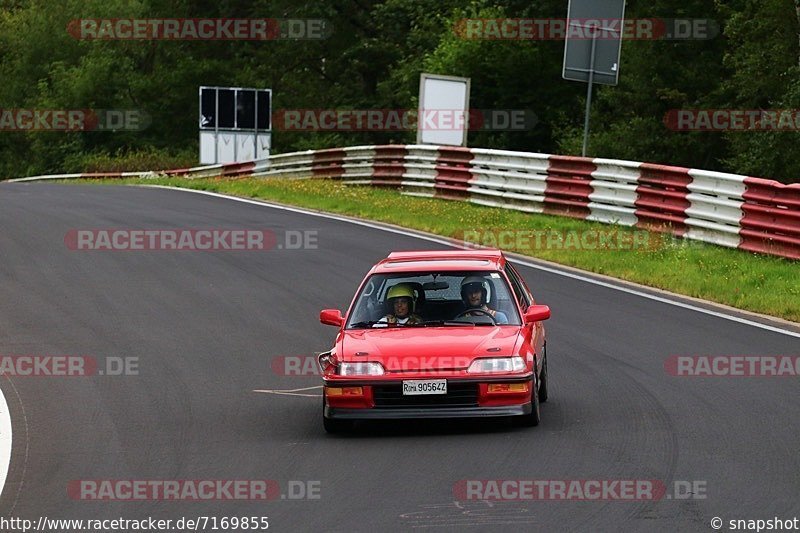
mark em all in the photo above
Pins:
pixel 420 293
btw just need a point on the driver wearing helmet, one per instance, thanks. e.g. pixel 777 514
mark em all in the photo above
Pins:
pixel 401 301
pixel 474 292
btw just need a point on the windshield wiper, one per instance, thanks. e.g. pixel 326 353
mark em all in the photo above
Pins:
pixel 373 323
pixel 364 324
pixel 446 323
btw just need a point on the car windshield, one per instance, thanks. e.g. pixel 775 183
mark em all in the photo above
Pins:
pixel 450 299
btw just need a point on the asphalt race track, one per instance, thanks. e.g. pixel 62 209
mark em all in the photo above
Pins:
pixel 205 328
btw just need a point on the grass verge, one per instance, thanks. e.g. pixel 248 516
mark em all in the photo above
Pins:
pixel 758 283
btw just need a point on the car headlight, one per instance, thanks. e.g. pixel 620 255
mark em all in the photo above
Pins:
pixel 496 365
pixel 361 369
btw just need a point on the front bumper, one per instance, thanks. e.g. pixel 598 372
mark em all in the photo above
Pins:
pixel 466 398
pixel 427 412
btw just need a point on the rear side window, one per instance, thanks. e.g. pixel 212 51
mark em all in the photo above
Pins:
pixel 523 298
pixel 522 282
pixel 525 288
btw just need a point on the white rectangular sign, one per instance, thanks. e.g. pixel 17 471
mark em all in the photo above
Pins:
pixel 443 110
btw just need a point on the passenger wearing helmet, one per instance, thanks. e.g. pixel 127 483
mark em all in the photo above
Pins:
pixel 474 293
pixel 401 301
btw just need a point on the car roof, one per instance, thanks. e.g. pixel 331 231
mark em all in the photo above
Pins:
pixel 425 261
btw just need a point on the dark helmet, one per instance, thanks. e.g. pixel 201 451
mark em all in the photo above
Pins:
pixel 473 283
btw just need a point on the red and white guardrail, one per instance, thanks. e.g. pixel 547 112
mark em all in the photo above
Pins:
pixel 735 211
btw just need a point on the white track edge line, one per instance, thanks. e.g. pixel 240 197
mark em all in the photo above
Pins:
pixel 6 436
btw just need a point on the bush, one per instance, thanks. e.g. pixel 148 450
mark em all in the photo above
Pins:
pixel 133 160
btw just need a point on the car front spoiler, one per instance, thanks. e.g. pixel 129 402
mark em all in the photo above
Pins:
pixel 393 413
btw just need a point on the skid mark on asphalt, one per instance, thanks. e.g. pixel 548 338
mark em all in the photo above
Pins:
pixel 292 392
pixel 465 513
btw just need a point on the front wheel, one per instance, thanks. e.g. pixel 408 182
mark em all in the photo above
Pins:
pixel 535 416
pixel 543 380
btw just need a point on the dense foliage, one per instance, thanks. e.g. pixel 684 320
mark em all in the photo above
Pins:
pixel 373 60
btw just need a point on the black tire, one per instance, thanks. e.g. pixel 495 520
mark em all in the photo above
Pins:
pixel 543 380
pixel 535 416
pixel 333 425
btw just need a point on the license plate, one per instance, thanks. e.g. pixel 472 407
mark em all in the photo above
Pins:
pixel 428 386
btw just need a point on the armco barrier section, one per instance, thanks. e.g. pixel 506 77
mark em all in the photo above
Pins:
pixel 771 221
pixel 752 214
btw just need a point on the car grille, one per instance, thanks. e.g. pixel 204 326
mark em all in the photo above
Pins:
pixel 458 395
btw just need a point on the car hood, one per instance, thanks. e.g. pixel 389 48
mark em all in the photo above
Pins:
pixel 431 348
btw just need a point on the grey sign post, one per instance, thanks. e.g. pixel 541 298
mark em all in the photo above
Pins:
pixel 593 47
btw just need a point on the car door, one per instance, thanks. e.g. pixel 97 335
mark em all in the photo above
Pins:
pixel 534 333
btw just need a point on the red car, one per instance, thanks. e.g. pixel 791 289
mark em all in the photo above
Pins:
pixel 439 334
